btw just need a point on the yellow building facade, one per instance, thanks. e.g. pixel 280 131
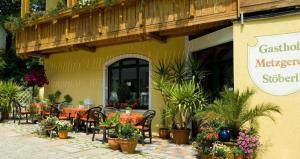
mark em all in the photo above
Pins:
pixel 83 75
pixel 281 139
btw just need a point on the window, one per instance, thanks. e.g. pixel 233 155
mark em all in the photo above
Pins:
pixel 218 63
pixel 128 84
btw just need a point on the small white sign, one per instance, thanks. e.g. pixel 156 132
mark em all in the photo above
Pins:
pixel 274 63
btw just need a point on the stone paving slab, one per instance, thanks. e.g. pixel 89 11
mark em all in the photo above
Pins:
pixel 20 142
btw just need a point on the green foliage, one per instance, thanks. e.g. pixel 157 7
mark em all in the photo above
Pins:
pixel 53 12
pixel 54 98
pixel 113 121
pixel 9 92
pixel 237 151
pixel 234 109
pixel 9 8
pixel 49 122
pixel 14 24
pixel 129 132
pixel 68 98
pixel 181 93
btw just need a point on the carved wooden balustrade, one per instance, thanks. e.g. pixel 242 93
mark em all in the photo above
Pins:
pixel 126 21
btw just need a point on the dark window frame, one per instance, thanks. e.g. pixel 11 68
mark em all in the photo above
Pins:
pixel 138 65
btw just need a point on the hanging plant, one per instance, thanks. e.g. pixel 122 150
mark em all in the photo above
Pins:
pixel 36 77
pixel 14 24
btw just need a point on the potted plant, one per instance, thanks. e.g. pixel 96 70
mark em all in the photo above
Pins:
pixel 164 131
pixel 81 104
pixel 49 124
pixel 234 109
pixel 63 128
pixel 221 151
pixel 9 91
pixel 181 94
pixel 128 138
pixel 248 142
pixel 113 140
pixel 185 98
pixel 205 139
pixel 68 99
pixel 237 153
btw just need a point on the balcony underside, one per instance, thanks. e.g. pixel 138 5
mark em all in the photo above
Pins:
pixel 158 20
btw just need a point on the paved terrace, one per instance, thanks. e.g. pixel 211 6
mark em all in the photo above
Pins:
pixel 20 142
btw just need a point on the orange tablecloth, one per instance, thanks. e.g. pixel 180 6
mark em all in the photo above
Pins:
pixel 73 112
pixel 124 118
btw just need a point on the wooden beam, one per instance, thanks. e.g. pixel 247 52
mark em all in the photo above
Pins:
pixel 86 48
pixel 25 7
pixel 154 36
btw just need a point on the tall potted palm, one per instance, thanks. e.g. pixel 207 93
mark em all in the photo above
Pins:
pixel 185 99
pixel 9 91
pixel 234 108
pixel 181 93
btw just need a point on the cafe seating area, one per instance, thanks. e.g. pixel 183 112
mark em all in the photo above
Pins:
pixel 90 120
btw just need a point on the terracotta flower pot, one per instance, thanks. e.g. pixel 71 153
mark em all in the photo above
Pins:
pixel 207 157
pixel 164 133
pixel 114 143
pixel 239 157
pixel 63 134
pixel 181 136
pixel 128 146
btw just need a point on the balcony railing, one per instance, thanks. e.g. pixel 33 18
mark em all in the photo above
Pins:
pixel 123 22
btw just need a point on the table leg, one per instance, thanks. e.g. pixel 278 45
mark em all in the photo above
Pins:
pixel 104 136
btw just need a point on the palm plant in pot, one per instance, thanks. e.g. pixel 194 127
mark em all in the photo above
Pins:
pixel 164 130
pixel 9 92
pixel 234 109
pixel 185 99
pixel 128 137
pixel 63 128
pixel 181 93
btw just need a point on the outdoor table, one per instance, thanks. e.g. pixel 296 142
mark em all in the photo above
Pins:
pixel 128 118
pixel 74 112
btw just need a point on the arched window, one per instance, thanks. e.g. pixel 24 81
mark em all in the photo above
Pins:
pixel 128 84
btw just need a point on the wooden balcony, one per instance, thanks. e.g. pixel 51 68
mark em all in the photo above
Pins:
pixel 124 22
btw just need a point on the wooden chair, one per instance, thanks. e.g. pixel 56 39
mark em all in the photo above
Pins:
pixel 54 111
pixel 19 111
pixel 91 117
pixel 145 125
pixel 98 128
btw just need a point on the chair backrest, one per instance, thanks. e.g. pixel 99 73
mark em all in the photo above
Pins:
pixel 95 113
pixel 18 106
pixel 148 117
pixel 54 111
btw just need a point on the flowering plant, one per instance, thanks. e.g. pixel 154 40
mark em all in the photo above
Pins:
pixel 64 126
pixel 248 142
pixel 37 77
pixel 206 138
pixel 220 150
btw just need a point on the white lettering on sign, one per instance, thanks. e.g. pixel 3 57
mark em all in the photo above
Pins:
pixel 274 63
